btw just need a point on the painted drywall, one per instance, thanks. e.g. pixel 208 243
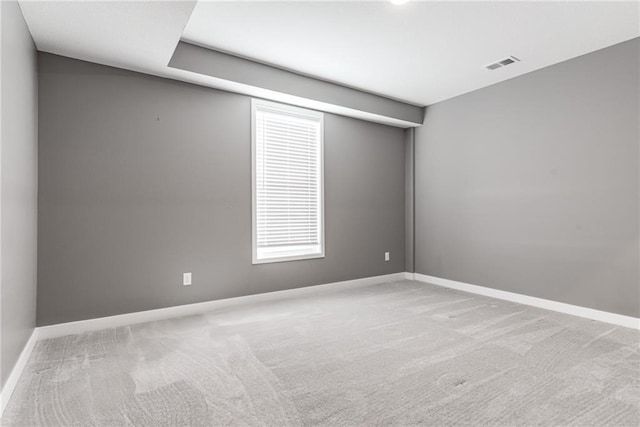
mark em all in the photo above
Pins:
pixel 19 185
pixel 142 179
pixel 531 185
pixel 232 68
pixel 409 191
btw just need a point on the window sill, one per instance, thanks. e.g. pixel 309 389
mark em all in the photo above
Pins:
pixel 267 259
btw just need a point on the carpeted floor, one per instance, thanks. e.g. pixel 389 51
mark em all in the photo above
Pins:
pixel 390 354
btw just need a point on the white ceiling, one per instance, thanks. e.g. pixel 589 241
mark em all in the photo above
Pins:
pixel 421 52
pixel 142 36
pixel 135 35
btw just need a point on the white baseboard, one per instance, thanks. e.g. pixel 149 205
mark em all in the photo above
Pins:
pixel 575 310
pixel 12 380
pixel 81 326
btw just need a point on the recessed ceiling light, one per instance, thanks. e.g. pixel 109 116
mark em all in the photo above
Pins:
pixel 398 2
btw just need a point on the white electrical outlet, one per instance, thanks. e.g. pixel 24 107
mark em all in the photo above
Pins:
pixel 387 257
pixel 186 279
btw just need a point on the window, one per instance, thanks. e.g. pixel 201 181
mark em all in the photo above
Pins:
pixel 287 183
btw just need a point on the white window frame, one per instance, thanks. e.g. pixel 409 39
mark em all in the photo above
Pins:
pixel 287 254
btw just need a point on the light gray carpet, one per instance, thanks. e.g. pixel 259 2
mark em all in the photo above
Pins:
pixel 389 354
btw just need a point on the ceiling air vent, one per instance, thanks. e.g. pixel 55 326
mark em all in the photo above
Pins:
pixel 502 63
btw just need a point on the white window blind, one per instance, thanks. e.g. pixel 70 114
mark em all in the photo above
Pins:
pixel 287 183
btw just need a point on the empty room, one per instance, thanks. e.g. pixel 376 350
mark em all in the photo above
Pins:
pixel 336 213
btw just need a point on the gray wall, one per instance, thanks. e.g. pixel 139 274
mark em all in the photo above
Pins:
pixel 142 179
pixel 531 185
pixel 409 193
pixel 19 185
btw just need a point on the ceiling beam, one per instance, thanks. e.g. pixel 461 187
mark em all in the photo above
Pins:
pixel 293 88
